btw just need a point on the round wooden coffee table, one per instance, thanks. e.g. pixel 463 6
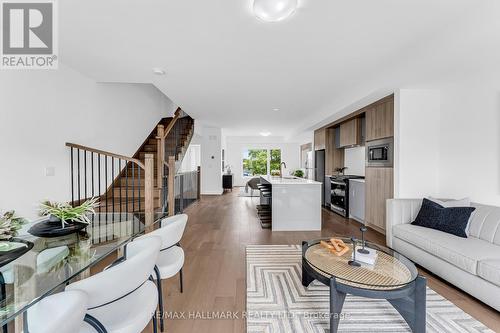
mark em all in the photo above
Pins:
pixel 392 277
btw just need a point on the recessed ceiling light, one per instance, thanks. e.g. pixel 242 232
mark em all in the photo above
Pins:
pixel 274 10
pixel 276 109
pixel 265 133
pixel 158 71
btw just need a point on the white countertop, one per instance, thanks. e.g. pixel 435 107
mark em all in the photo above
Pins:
pixel 289 180
pixel 359 180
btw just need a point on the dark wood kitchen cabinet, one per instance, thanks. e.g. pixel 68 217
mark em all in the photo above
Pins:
pixel 334 157
pixel 320 139
pixel 379 186
pixel 380 120
pixel 350 133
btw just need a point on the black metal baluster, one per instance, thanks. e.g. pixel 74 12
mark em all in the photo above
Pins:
pixel 120 185
pixel 78 173
pixel 92 172
pixel 72 181
pixel 126 187
pixel 99 179
pixel 139 187
pixel 113 183
pixel 133 187
pixel 106 182
pixel 99 164
pixel 85 172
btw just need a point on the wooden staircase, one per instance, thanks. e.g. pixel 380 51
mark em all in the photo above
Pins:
pixel 126 184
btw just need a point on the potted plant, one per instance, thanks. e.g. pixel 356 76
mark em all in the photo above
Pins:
pixel 9 225
pixel 299 173
pixel 10 247
pixel 64 213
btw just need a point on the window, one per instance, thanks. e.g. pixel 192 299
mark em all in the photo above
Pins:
pixel 261 162
pixel 254 162
pixel 275 162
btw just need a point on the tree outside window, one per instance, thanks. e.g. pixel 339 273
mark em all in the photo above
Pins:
pixel 257 162
pixel 275 162
pixel 254 162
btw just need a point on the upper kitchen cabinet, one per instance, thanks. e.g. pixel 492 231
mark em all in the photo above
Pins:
pixel 350 133
pixel 380 120
pixel 320 139
pixel 334 156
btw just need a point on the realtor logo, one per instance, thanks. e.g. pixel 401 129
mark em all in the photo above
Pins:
pixel 28 35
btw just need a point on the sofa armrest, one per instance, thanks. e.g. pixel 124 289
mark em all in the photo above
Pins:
pixel 400 211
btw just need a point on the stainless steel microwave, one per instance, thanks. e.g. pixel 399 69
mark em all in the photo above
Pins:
pixel 380 153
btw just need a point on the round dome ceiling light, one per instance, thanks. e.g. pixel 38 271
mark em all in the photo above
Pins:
pixel 274 10
pixel 158 71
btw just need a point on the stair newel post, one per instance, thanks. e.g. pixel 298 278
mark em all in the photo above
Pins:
pixel 149 191
pixel 171 185
pixel 160 151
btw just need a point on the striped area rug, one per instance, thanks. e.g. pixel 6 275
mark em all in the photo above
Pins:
pixel 277 301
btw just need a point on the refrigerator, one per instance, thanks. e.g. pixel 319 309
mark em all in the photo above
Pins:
pixel 319 171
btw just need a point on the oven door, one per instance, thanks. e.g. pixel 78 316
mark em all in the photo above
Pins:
pixel 338 197
pixel 379 153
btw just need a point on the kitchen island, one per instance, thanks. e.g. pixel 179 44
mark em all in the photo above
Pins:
pixel 295 203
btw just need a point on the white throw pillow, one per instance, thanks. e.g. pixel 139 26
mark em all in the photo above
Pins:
pixel 447 203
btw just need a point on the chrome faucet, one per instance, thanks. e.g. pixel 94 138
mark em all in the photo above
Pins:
pixel 281 168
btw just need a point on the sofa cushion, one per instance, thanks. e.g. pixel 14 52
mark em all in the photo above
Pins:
pixel 485 223
pixel 452 220
pixel 464 253
pixel 489 270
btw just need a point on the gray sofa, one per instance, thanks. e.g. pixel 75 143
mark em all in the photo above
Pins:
pixel 472 264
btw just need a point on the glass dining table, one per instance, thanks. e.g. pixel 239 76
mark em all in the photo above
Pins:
pixel 54 262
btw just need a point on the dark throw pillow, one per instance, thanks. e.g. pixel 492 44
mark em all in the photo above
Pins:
pixel 452 220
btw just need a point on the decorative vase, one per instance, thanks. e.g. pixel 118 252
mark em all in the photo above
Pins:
pixel 55 227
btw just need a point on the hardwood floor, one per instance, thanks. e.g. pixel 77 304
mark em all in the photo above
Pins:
pixel 219 228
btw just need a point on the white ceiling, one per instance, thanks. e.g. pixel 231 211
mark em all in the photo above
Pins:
pixel 227 68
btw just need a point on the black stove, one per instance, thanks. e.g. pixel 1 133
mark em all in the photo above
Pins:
pixel 340 193
pixel 344 177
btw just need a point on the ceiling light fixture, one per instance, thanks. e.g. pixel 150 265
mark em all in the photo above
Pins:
pixel 276 109
pixel 274 10
pixel 265 133
pixel 158 71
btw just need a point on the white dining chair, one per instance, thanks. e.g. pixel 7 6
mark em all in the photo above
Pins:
pixel 62 313
pixel 123 298
pixel 171 258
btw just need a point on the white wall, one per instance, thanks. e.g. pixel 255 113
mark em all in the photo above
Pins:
pixel 41 110
pixel 192 159
pixel 416 142
pixel 354 160
pixel 290 153
pixel 469 156
pixel 211 160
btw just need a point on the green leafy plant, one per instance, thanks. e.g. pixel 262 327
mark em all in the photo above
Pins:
pixel 10 224
pixel 65 212
pixel 255 161
pixel 299 173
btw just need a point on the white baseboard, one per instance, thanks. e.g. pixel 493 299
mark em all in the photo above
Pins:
pixel 212 192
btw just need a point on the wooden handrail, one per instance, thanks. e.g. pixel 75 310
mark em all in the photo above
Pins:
pixel 107 153
pixel 172 123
